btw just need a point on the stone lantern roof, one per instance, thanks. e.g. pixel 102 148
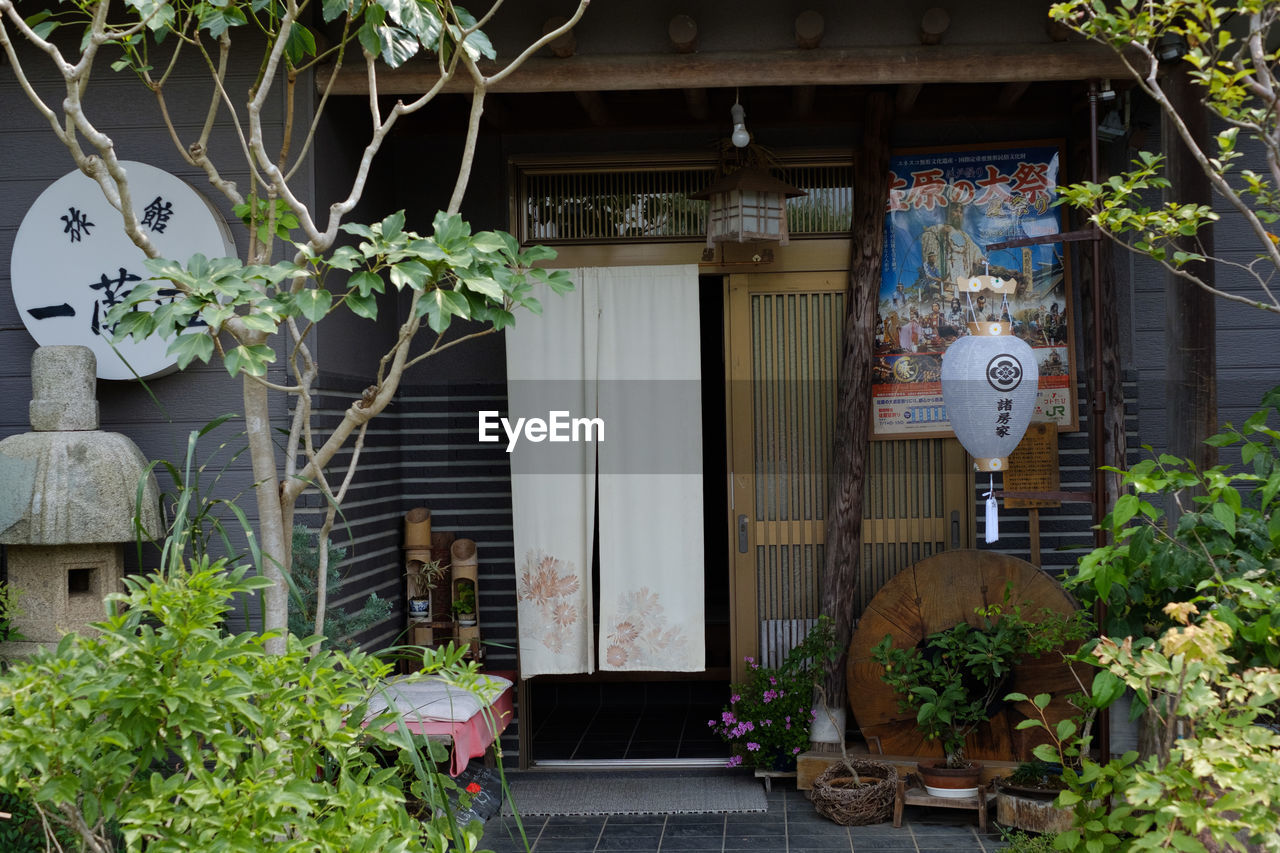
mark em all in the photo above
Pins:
pixel 67 482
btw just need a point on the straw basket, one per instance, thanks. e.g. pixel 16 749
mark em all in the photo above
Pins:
pixel 836 798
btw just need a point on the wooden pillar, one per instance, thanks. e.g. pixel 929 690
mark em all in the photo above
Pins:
pixel 853 423
pixel 1190 321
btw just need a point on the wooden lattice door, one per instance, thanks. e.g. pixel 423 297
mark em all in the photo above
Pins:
pixel 782 342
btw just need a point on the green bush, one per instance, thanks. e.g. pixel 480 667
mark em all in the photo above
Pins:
pixel 1194 635
pixel 187 738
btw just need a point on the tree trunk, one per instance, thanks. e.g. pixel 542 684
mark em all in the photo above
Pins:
pixel 1190 320
pixel 273 537
pixel 853 422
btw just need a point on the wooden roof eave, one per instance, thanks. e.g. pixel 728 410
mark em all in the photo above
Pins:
pixel 863 66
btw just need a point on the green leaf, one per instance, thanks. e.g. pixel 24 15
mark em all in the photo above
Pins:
pixel 1126 508
pixel 332 9
pixel 366 283
pixel 362 305
pixel 300 45
pixel 260 323
pixel 410 273
pixel 1225 517
pixel 217 20
pixel 194 345
pixel 314 303
pixel 252 360
pixel 345 258
pixel 482 285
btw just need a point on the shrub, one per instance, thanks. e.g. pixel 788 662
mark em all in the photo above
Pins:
pixel 188 738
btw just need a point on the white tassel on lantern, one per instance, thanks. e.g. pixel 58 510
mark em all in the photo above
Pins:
pixel 989 383
pixel 993 512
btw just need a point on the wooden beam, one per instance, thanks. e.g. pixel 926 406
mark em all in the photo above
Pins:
pixel 696 101
pixel 1010 93
pixel 809 29
pixel 865 66
pixel 802 101
pixel 683 32
pixel 905 97
pixel 565 46
pixel 592 104
pixel 934 25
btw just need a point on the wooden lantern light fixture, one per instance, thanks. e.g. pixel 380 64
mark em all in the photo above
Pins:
pixel 747 203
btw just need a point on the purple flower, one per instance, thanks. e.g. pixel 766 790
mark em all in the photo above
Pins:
pixel 735 699
pixel 795 751
pixel 753 746
pixel 734 761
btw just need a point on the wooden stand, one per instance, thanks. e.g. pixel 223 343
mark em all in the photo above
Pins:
pixel 769 775
pixel 912 793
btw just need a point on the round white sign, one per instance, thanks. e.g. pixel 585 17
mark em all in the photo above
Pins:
pixel 72 261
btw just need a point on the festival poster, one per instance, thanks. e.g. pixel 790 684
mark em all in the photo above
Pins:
pixel 945 211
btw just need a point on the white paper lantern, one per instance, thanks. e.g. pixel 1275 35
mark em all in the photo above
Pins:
pixel 989 383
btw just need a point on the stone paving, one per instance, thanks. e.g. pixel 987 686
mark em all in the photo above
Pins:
pixel 789 826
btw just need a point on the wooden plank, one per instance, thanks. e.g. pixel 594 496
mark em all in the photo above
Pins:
pixel 811 765
pixel 862 66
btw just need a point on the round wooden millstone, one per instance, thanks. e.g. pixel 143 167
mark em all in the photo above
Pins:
pixel 934 595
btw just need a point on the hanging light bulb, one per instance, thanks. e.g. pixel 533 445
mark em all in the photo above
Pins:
pixel 740 138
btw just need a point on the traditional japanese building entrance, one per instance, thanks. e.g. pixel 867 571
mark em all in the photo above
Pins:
pixel 782 340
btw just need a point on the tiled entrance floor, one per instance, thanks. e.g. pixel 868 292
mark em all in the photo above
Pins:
pixel 790 826
pixel 665 720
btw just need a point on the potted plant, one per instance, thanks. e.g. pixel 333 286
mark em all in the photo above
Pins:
pixel 769 715
pixel 1024 798
pixel 424 576
pixel 952 680
pixel 464 603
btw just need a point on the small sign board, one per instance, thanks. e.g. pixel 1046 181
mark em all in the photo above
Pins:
pixel 72 262
pixel 1033 467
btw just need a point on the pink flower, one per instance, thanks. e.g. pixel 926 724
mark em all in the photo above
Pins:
pixel 735 699
pixel 795 751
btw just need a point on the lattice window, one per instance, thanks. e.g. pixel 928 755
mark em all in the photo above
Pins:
pixel 608 204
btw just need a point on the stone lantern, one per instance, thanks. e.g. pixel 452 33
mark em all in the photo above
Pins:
pixel 67 506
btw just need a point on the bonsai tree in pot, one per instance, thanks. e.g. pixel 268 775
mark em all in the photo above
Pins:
pixel 424 576
pixel 952 680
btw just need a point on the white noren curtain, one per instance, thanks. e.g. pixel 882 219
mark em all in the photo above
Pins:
pixel 636 356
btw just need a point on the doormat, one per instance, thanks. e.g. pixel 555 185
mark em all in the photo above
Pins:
pixel 634 792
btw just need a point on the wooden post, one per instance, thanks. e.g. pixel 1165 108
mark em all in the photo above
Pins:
pixel 842 571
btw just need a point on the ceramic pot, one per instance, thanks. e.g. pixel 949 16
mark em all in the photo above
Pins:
pixel 949 782
pixel 420 606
